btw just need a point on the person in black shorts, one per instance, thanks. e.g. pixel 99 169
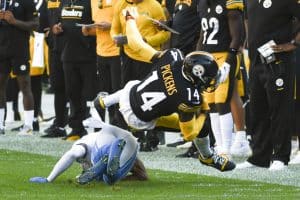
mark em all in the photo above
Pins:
pixel 17 19
pixel 272 72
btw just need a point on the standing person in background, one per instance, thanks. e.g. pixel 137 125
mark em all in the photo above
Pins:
pixel 296 157
pixel 38 62
pixel 108 54
pixel 186 21
pixel 57 79
pixel 17 19
pixel 272 72
pixel 221 35
pixel 79 61
pixel 134 67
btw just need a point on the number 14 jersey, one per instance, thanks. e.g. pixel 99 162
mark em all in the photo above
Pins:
pixel 165 90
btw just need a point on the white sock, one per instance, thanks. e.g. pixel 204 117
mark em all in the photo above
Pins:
pixel 10 113
pixel 66 161
pixel 28 117
pixel 203 146
pixel 2 113
pixel 215 126
pixel 112 98
pixel 226 124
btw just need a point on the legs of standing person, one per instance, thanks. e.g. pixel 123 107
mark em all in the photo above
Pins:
pixel 109 69
pixel 74 90
pixel 28 102
pixel 240 145
pixel 282 105
pixel 57 81
pixel 36 88
pixel 3 83
pixel 220 113
pixel 12 95
pixel 260 119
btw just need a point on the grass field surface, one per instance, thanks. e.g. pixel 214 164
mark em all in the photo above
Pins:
pixel 169 177
pixel 17 167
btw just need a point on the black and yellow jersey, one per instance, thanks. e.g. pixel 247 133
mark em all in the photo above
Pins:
pixel 76 47
pixel 165 90
pixel 187 22
pixel 55 42
pixel 214 23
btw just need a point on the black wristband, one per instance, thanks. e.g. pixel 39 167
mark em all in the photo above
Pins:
pixel 233 51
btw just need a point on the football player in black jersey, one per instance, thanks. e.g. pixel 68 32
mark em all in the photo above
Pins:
pixel 170 96
pixel 17 19
pixel 221 35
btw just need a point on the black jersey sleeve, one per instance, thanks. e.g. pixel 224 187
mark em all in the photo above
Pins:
pixel 295 8
pixel 30 10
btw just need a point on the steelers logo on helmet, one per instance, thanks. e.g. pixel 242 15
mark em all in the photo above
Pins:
pixel 201 69
pixel 198 70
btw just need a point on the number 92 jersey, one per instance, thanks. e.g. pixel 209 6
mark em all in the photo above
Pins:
pixel 214 23
pixel 165 90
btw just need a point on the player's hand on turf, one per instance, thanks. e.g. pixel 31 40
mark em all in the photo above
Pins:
pixel 223 72
pixel 38 180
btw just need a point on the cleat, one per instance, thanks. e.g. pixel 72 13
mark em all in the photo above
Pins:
pixel 277 165
pixel 93 172
pixel 296 159
pixel 180 141
pixel 75 135
pixel 18 128
pixel 25 131
pixel 99 103
pixel 245 165
pixel 185 145
pixel 220 162
pixel 2 131
pixel 36 125
pixel 192 152
pixel 54 132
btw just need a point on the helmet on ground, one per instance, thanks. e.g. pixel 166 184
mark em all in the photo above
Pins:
pixel 201 69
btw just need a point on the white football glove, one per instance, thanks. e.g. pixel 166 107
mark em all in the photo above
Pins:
pixel 224 71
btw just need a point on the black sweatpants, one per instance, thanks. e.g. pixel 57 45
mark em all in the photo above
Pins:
pixel 80 81
pixel 57 81
pixel 109 80
pixel 271 108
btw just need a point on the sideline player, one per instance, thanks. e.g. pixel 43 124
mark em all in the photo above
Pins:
pixel 170 96
pixel 221 35
pixel 107 155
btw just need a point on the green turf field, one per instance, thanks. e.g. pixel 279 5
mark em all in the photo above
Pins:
pixel 16 168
